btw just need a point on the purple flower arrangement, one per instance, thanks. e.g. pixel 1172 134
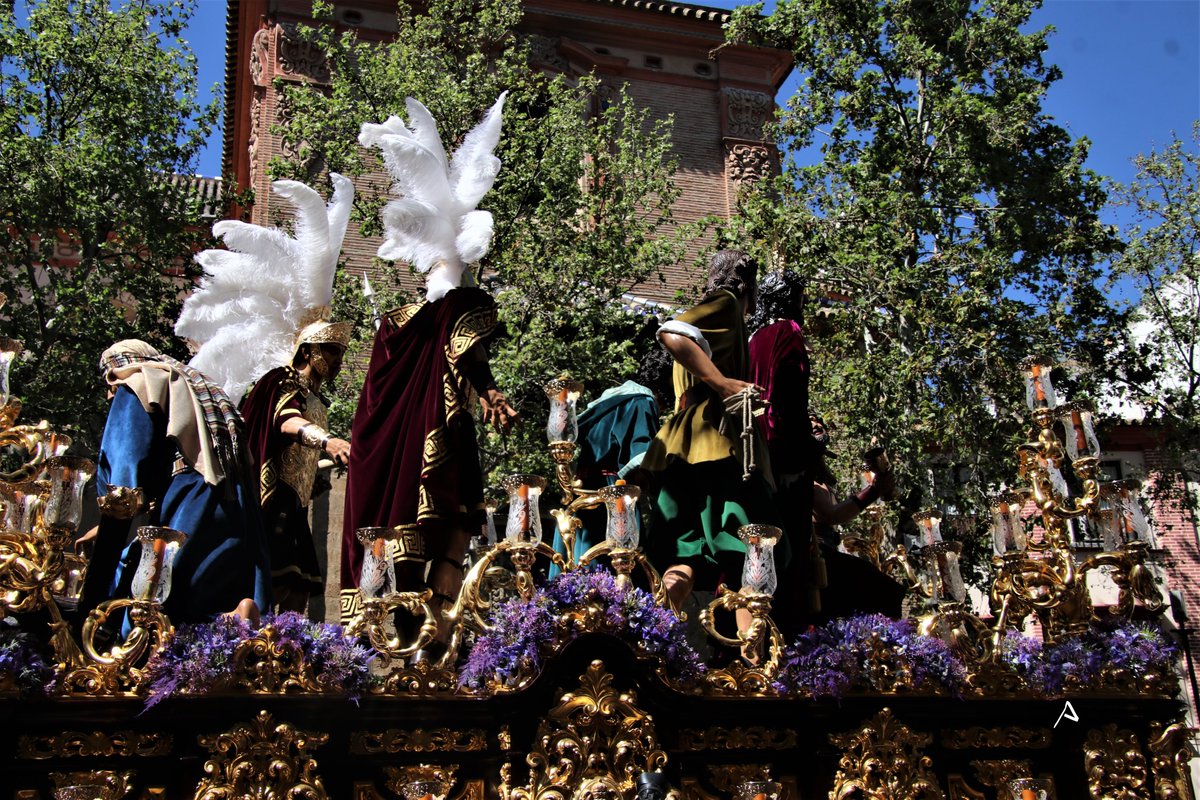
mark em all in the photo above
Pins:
pixel 525 629
pixel 23 665
pixel 869 653
pixel 1082 661
pixel 199 658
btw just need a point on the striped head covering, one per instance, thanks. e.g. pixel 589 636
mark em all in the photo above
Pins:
pixel 201 419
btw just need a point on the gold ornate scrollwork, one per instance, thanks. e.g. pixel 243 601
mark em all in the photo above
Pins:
pixel 97 784
pixel 422 679
pixel 1115 765
pixel 418 740
pixel 979 737
pixel 882 760
pixel 595 741
pixel 999 773
pixel 439 776
pixel 261 760
pixel 118 670
pixel 263 665
pixel 756 737
pixel 370 623
pixel 1170 751
pixel 80 744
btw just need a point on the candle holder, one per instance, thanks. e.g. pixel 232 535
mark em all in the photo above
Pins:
pixel 120 668
pixel 563 424
pixel 621 542
pixel 9 350
pixel 758 584
pixel 759 790
pixel 381 600
pixel 1043 574
pixel 1031 789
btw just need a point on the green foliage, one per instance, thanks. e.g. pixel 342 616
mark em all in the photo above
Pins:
pixel 949 221
pixel 1159 361
pixel 582 203
pixel 98 110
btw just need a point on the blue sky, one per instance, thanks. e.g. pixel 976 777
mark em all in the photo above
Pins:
pixel 1131 72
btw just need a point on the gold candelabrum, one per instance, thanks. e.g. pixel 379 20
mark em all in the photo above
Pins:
pixel 752 602
pixel 1039 571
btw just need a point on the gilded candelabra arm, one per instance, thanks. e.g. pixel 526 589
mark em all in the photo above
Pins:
pixel 1134 580
pixel 29 439
pixel 122 502
pixel 898 558
pixel 369 623
pixel 761 629
pixel 150 629
pixel 624 560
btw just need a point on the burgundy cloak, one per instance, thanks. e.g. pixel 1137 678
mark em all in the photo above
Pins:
pixel 779 364
pixel 415 460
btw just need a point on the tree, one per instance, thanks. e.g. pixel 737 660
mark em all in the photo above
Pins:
pixel 98 117
pixel 946 219
pixel 582 203
pixel 1159 357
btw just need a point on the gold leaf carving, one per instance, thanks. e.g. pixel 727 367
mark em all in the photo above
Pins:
pixel 78 744
pixel 261 760
pixel 595 742
pixel 97 784
pixel 882 760
pixel 1115 766
pixel 1170 752
pixel 980 737
pixel 419 740
pixel 753 738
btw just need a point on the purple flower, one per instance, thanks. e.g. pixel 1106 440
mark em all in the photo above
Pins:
pixel 523 629
pixel 199 657
pixel 22 658
pixel 834 659
pixel 1081 660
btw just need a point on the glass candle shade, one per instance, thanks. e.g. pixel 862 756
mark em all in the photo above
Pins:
pixel 943 572
pixel 489 525
pixel 1133 523
pixel 378 576
pixel 9 350
pixel 1039 392
pixel 1077 420
pixel 524 519
pixel 621 501
pixel 563 425
pixel 67 475
pixel 758 790
pixel 152 581
pixel 758 570
pixel 1029 789
pixel 929 526
pixel 1008 532
pixel 57 444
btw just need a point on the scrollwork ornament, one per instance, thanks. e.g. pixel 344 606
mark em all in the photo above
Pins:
pixel 298 57
pixel 978 737
pixel 747 111
pixel 882 760
pixel 1170 751
pixel 264 665
pixel 80 744
pixel 418 740
pixel 595 741
pixel 260 49
pixel 263 760
pixel 756 737
pixel 99 784
pixel 422 679
pixel 1115 765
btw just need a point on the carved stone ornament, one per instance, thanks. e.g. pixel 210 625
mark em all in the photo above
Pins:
pixel 746 112
pixel 752 738
pixel 980 737
pixel 1170 752
pixel 420 740
pixel 594 743
pixel 261 760
pixel 256 98
pixel 1115 765
pixel 543 52
pixel 882 760
pixel 747 163
pixel 97 784
pixel 260 53
pixel 78 744
pixel 298 57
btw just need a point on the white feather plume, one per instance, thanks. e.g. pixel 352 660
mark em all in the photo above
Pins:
pixel 434 224
pixel 256 294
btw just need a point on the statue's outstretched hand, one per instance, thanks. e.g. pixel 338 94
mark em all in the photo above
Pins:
pixel 497 411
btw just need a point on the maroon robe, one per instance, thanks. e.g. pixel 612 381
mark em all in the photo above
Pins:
pixel 415 460
pixel 779 364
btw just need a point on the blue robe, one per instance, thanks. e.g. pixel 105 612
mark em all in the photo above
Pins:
pixel 225 557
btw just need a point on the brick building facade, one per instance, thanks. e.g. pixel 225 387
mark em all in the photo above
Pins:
pixel 666 53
